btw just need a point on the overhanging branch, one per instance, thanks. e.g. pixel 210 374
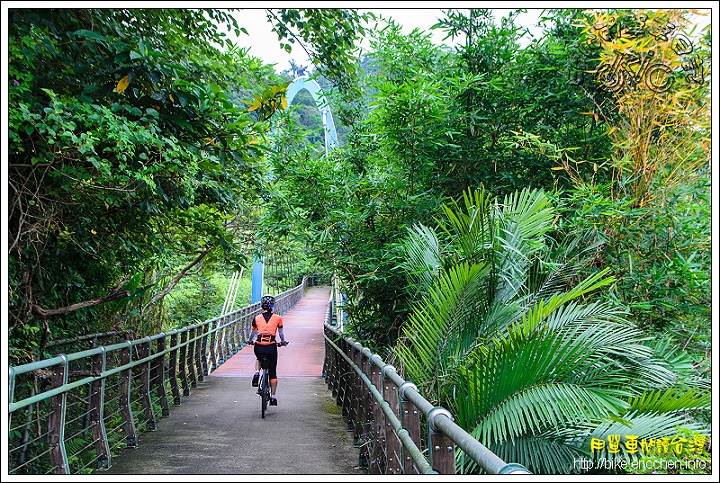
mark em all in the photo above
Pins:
pixel 159 296
pixel 117 293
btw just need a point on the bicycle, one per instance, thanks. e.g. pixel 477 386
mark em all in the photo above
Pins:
pixel 264 381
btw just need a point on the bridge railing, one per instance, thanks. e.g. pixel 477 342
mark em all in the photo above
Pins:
pixel 70 413
pixel 384 413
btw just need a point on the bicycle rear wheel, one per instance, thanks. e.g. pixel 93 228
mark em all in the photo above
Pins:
pixel 265 392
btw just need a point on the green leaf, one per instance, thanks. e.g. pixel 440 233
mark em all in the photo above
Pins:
pixel 91 35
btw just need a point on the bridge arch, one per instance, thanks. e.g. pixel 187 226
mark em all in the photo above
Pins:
pixel 305 82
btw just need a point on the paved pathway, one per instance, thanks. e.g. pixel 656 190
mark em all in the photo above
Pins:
pixel 218 428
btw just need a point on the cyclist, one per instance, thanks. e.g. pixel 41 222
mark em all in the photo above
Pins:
pixel 265 326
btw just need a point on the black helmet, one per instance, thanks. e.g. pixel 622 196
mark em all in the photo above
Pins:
pixel 267 302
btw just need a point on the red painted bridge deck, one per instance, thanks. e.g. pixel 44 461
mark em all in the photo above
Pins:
pixel 303 328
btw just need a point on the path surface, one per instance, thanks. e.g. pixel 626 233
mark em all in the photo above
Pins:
pixel 217 429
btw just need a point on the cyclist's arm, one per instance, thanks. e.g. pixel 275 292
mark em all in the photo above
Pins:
pixel 253 330
pixel 282 334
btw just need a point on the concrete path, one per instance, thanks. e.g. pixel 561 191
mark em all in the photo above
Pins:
pixel 218 428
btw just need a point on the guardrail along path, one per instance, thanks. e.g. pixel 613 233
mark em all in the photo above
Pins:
pixel 217 429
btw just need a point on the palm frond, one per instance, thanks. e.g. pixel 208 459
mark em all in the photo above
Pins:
pixel 423 257
pixel 673 399
pixel 613 343
pixel 674 357
pixel 565 260
pixel 543 308
pixel 574 313
pixel 537 408
pixel 429 325
pixel 531 212
pixel 470 229
pixel 521 224
pixel 527 381
pixel 546 279
pixel 541 454
pixel 530 380
pixel 512 259
pixel 498 317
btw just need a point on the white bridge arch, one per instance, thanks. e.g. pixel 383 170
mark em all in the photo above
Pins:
pixel 304 82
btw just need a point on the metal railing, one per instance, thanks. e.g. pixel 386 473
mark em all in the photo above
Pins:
pixel 384 413
pixel 70 413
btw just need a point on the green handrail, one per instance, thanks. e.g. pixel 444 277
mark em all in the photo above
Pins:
pixel 51 405
pixel 440 425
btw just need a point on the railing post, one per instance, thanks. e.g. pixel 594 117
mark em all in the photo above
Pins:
pixel 216 357
pixel 357 416
pixel 97 412
pixel 191 358
pixel 331 369
pixel 236 328
pixel 327 370
pixel 228 346
pixel 335 365
pixel 367 411
pixel 125 409
pixel 394 446
pixel 184 351
pixel 378 460
pixel 158 376
pixel 202 352
pixel 172 372
pixel 239 328
pixel 145 386
pixel 442 448
pixel 345 380
pixel 56 420
pixel 410 418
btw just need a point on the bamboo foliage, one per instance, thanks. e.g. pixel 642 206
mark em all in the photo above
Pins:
pixel 662 138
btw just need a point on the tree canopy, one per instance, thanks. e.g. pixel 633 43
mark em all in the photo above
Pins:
pixel 137 155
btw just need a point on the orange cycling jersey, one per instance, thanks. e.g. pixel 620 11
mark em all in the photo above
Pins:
pixel 266 330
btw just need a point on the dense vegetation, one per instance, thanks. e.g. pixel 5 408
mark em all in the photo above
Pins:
pixel 135 161
pixel 611 292
pixel 492 208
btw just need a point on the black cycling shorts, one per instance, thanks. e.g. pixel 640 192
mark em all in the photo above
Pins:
pixel 271 351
